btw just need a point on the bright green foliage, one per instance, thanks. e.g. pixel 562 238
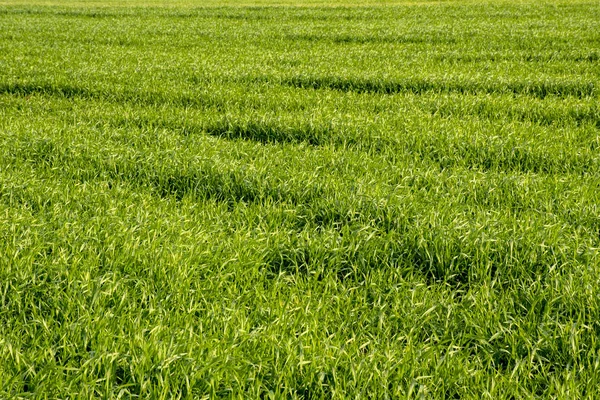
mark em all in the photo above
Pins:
pixel 384 201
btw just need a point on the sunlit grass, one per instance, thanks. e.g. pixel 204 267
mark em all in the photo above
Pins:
pixel 337 201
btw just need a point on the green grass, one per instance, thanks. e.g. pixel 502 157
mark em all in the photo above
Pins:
pixel 309 200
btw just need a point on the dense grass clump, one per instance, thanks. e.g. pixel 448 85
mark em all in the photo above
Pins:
pixel 299 200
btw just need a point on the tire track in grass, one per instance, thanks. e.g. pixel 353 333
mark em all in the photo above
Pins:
pixel 315 135
pixel 463 57
pixel 495 154
pixel 542 112
pixel 69 91
pixel 418 86
pixel 422 38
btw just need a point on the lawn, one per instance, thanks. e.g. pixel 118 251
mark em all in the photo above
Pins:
pixel 303 200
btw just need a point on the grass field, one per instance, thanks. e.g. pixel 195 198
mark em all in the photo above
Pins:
pixel 316 200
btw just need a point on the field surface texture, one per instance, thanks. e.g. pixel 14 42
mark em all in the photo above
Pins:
pixel 303 201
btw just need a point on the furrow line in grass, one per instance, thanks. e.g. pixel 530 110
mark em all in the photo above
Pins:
pixel 540 89
pixel 540 113
pixel 421 38
pixel 579 57
pixel 66 90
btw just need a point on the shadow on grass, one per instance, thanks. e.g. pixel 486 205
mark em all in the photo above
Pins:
pixel 422 86
pixel 372 39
